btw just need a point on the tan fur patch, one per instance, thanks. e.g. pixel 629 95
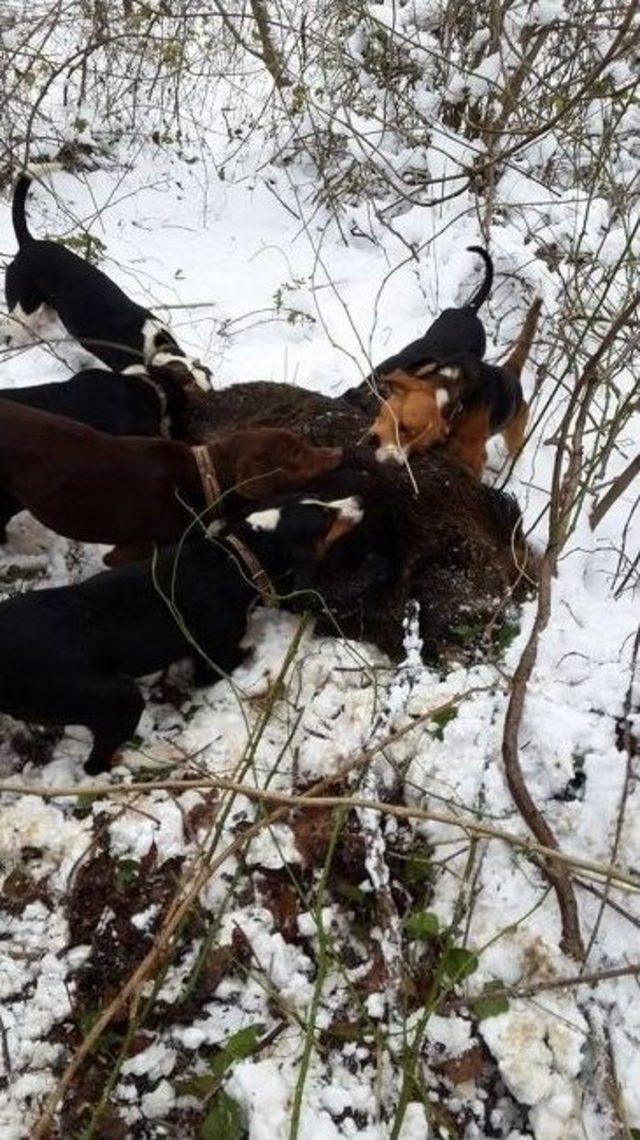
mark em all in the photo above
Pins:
pixel 411 417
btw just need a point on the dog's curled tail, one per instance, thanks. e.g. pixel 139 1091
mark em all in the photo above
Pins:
pixel 480 297
pixel 18 213
pixel 522 346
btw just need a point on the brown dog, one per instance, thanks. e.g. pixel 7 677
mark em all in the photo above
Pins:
pixel 129 491
pixel 460 404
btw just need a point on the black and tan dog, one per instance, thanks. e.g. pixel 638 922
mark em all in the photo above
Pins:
pixel 459 402
pixel 45 279
pixel 456 330
pixel 71 655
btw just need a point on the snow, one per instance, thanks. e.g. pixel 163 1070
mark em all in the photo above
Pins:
pixel 261 1091
pixel 288 294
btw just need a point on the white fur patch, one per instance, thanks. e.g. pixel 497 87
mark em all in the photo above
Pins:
pixel 150 330
pixel 164 357
pixel 442 397
pixel 350 509
pixel 391 453
pixel 264 520
pixel 197 371
pixel 449 372
pixel 201 375
pixel 20 328
pixel 135 370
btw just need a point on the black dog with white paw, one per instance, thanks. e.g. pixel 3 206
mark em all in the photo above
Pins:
pixel 46 279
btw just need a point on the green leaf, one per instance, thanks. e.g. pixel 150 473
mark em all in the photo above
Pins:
pixel 422 925
pixel 236 1048
pixel 201 1087
pixel 223 1120
pixel 466 632
pixel 127 871
pixel 441 720
pixel 491 1002
pixel 84 804
pixel 459 963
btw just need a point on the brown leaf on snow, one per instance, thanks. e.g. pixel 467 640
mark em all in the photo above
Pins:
pixel 281 898
pixel 471 1066
pixel 313 832
pixel 201 815
pixel 105 896
pixel 203 985
pixel 376 979
pixel 19 890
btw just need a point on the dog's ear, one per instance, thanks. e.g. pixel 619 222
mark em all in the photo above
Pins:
pixel 399 382
pixel 181 369
pixel 174 368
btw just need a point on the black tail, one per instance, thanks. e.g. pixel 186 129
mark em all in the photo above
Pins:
pixel 480 297
pixel 18 209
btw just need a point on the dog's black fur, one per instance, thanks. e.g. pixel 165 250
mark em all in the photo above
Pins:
pixel 91 306
pixel 454 331
pixel 113 402
pixel 483 385
pixel 69 655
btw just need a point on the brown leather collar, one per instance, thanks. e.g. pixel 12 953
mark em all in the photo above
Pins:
pixel 210 483
pixel 257 573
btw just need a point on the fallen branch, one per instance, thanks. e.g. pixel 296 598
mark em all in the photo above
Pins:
pixel 568 982
pixel 164 940
pixel 312 801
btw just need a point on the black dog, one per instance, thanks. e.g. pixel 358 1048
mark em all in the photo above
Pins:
pixel 45 279
pixel 119 403
pixel 454 331
pixel 70 655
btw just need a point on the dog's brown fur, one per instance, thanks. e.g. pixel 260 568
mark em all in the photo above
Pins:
pixel 129 491
pixel 448 404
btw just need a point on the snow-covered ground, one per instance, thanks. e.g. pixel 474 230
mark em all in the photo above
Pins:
pixel 263 284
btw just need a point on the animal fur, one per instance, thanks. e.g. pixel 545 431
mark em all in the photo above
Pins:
pixel 129 491
pixel 455 330
pixel 119 403
pixel 45 279
pixel 456 547
pixel 71 655
pixel 459 402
